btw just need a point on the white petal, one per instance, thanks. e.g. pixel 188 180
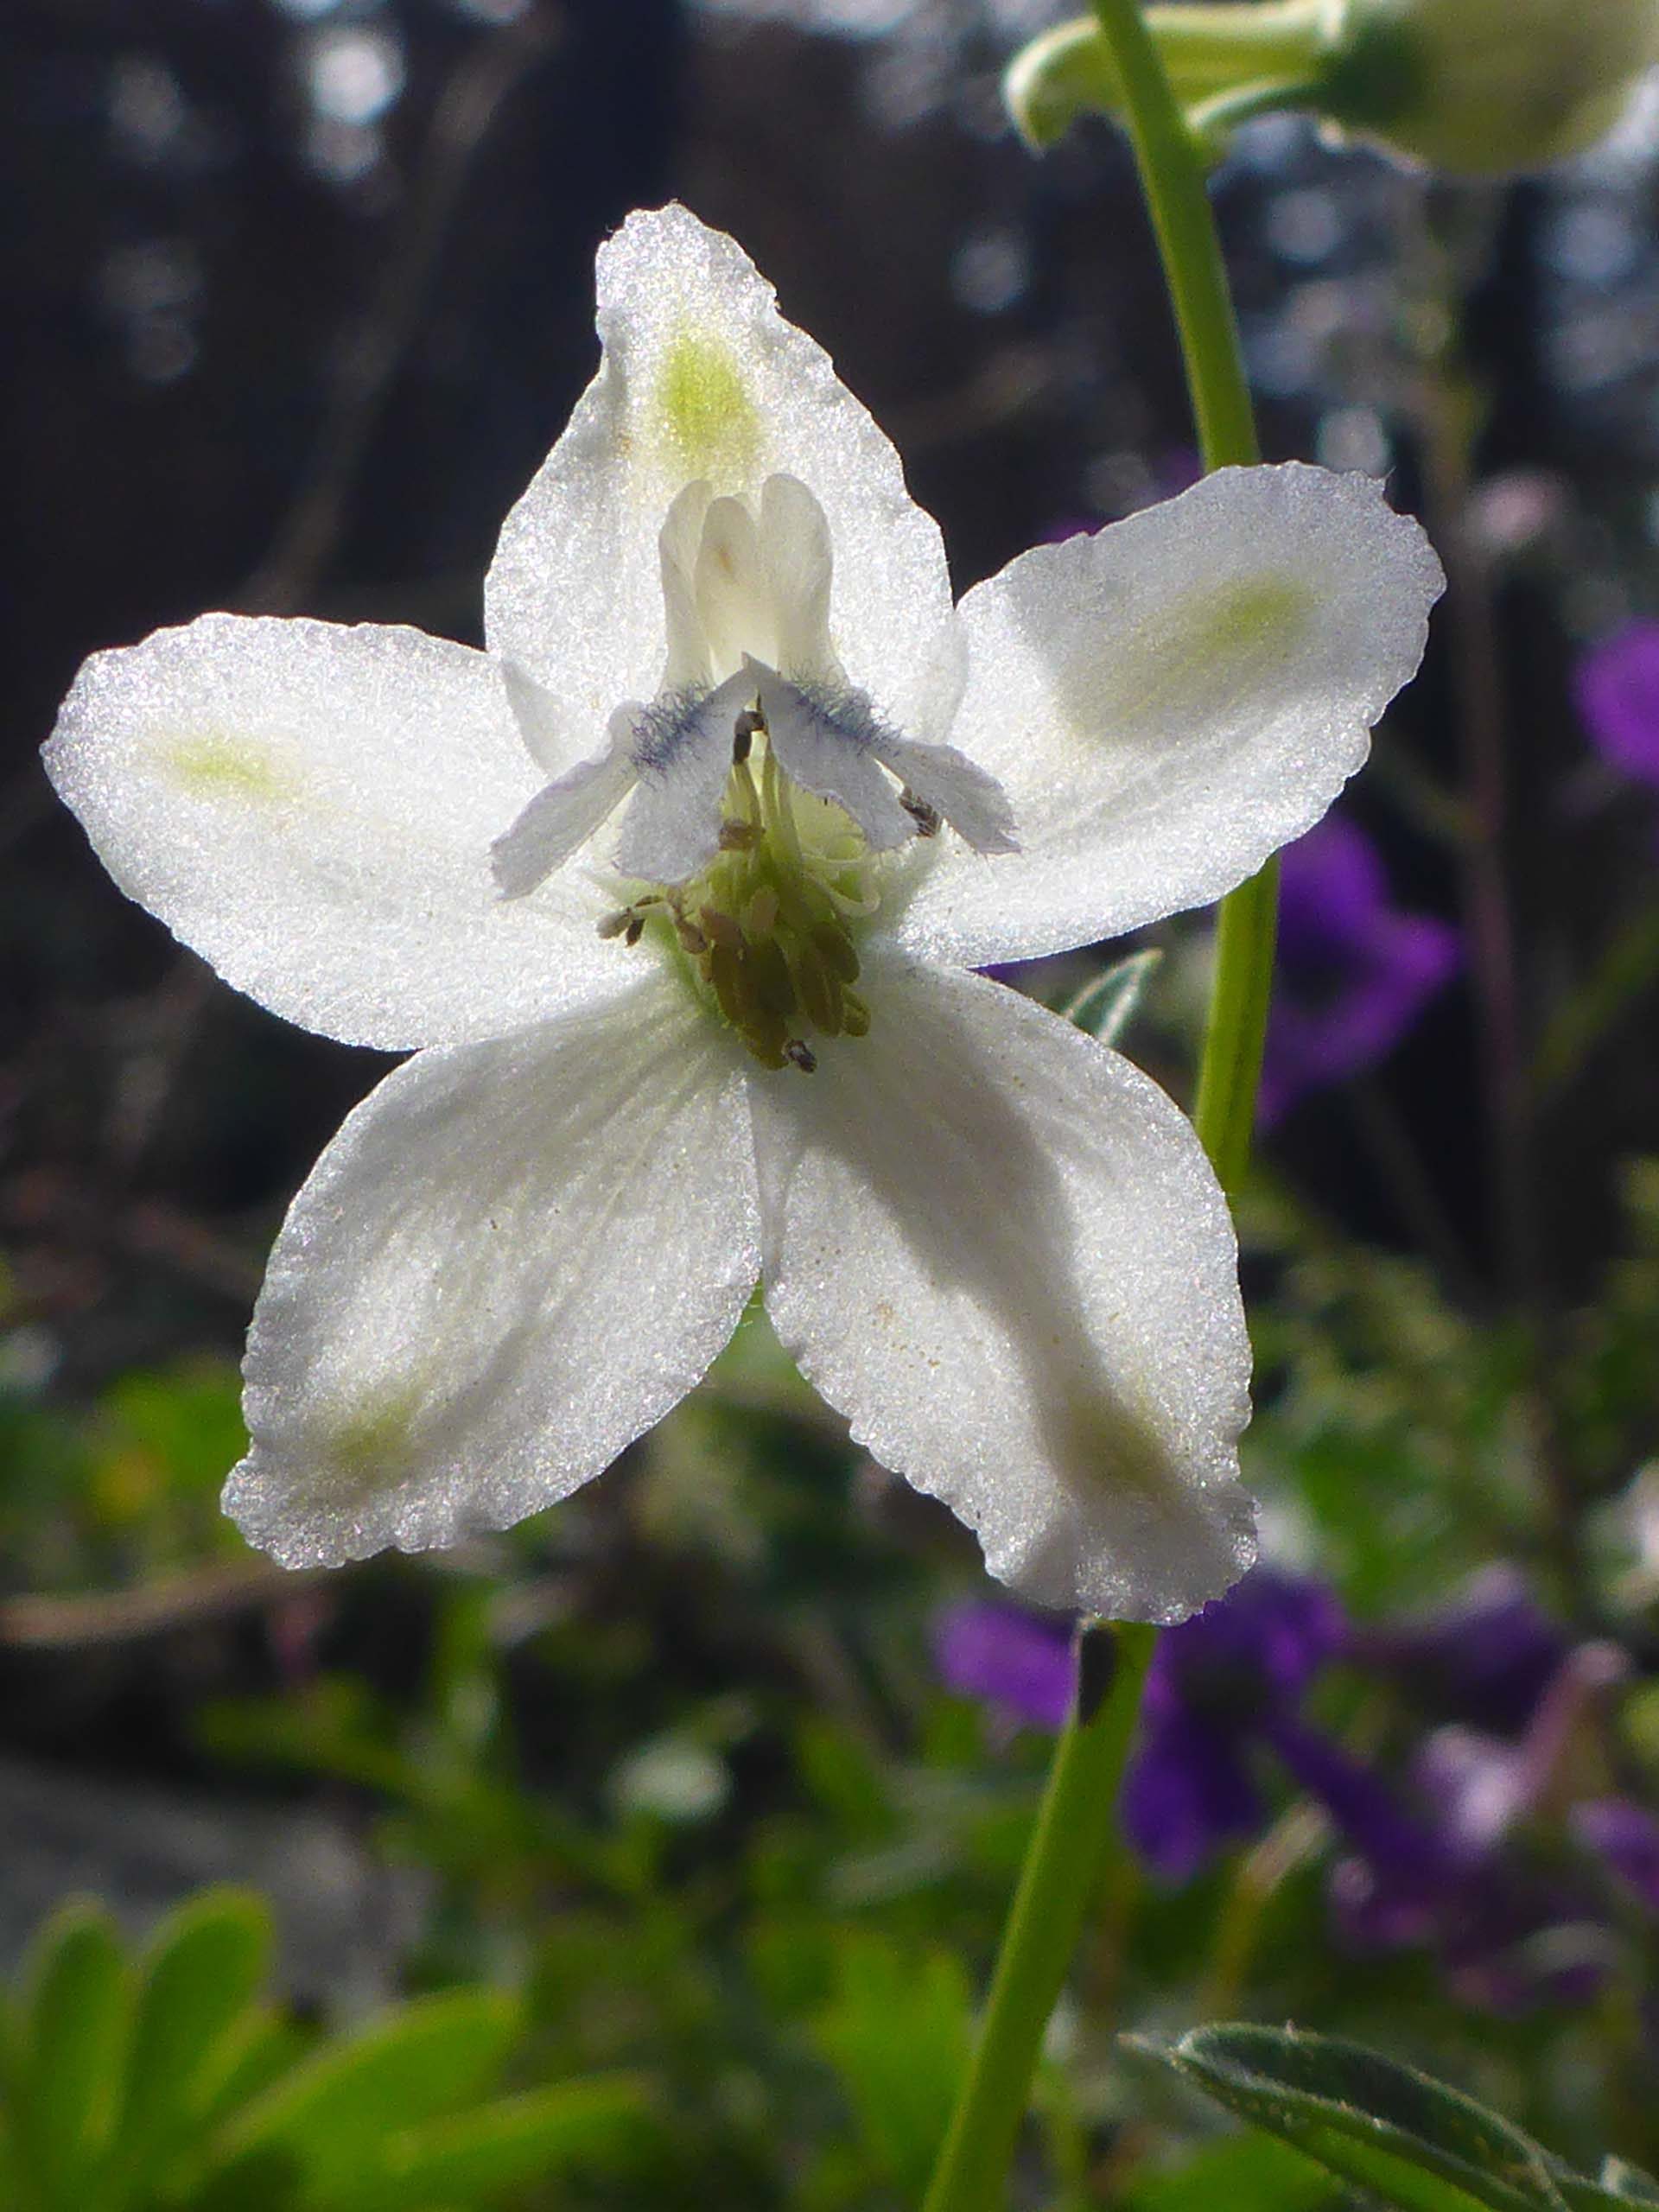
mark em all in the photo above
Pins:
pixel 683 754
pixel 1168 703
pixel 685 665
pixel 311 808
pixel 956 788
pixel 513 1260
pixel 800 564
pixel 563 817
pixel 733 601
pixel 999 1249
pixel 702 378
pixel 546 730
pixel 825 746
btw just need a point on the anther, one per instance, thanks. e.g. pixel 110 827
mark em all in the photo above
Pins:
pixel 760 914
pixel 614 924
pixel 635 929
pixel 744 732
pixel 720 928
pixel 925 817
pixel 738 837
pixel 800 1054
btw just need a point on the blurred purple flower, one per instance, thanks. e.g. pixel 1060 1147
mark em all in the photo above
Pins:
pixel 1443 1877
pixel 1354 973
pixel 1616 689
pixel 1218 1686
pixel 1018 1663
pixel 1486 1658
pixel 1626 1841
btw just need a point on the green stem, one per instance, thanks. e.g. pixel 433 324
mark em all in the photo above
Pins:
pixel 1067 1849
pixel 1628 968
pixel 1077 1827
pixel 1171 176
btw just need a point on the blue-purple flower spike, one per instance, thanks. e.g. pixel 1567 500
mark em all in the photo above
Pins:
pixel 1218 1685
pixel 1354 974
pixel 1616 689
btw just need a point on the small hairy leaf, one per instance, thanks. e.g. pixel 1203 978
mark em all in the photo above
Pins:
pixel 1408 2139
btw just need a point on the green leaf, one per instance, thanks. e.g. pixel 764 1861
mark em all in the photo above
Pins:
pixel 897 2032
pixel 190 2025
pixel 1407 2138
pixel 603 2124
pixel 1105 1003
pixel 73 2047
pixel 331 2114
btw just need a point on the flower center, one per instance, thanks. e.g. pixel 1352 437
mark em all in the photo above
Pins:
pixel 767 924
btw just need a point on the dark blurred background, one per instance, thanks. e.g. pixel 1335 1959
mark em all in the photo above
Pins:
pixel 295 295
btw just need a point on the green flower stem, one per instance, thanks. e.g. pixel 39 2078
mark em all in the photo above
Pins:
pixel 1172 176
pixel 1075 1827
pixel 1067 1850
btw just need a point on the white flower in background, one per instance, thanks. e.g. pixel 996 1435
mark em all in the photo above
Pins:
pixel 723 1026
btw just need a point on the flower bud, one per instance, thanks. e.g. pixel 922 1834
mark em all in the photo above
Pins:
pixel 1473 87
pixel 1486 88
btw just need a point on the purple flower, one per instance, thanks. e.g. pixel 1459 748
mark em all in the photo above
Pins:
pixel 1616 689
pixel 1016 1662
pixel 1486 1658
pixel 1354 973
pixel 1438 1872
pixel 1218 1686
pixel 1625 1839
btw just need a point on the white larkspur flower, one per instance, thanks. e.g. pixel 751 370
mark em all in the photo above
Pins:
pixel 722 655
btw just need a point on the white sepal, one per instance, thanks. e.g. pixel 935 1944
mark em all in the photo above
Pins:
pixel 310 807
pixel 999 1249
pixel 513 1260
pixel 1168 702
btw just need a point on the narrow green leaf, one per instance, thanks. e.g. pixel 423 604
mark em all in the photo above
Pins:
pixel 1408 2139
pixel 603 2125
pixel 73 2038
pixel 331 2114
pixel 897 2032
pixel 207 1964
pixel 1106 1003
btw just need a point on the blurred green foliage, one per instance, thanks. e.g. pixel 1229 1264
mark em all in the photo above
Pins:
pixel 167 2084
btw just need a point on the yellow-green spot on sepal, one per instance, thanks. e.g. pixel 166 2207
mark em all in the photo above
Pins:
pixel 1198 654
pixel 209 764
pixel 1266 614
pixel 705 411
pixel 370 1451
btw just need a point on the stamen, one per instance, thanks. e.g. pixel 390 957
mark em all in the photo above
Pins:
pixel 765 925
pixel 925 816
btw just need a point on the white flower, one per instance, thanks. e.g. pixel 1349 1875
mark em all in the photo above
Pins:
pixel 989 1240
